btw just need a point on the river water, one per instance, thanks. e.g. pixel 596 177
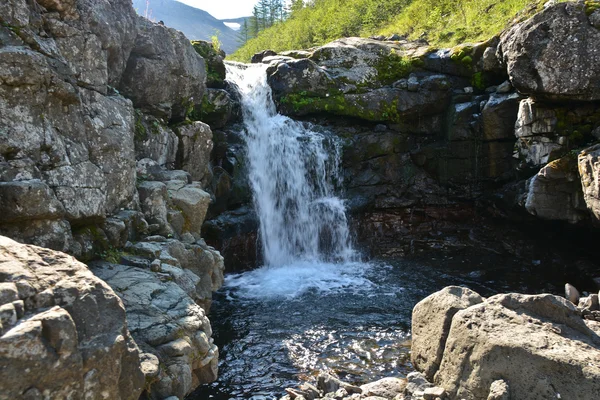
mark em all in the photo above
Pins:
pixel 315 304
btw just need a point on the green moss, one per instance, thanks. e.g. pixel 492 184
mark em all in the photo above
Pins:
pixel 15 29
pixel 479 81
pixel 591 6
pixel 392 67
pixel 140 132
pixel 303 104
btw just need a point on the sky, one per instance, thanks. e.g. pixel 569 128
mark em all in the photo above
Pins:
pixel 223 9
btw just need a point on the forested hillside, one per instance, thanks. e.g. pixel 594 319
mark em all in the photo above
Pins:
pixel 440 22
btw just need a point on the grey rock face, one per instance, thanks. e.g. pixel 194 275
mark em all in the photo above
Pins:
pixel 155 141
pixel 499 116
pixel 431 321
pixel 164 55
pixel 168 324
pixel 195 145
pixel 539 52
pixel 555 192
pixel 62 315
pixel 77 141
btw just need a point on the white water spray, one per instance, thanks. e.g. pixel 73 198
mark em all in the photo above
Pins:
pixel 293 172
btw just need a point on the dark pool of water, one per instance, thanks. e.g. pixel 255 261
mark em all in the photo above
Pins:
pixel 276 331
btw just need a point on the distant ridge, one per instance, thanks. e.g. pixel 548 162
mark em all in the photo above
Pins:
pixel 193 22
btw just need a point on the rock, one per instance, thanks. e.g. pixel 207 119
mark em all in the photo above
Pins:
pixel 434 393
pixel 589 170
pixel 571 293
pixel 490 61
pixel 299 76
pixel 154 202
pixel 387 388
pixel 258 57
pixel 547 131
pixel 167 323
pixel 499 116
pixel 555 192
pixel 416 384
pixel 64 316
pixel 154 140
pixel 560 38
pixel 330 384
pixel 28 200
pixel 431 319
pixel 499 391
pixel 164 74
pixel 506 331
pixel 193 203
pixel 504 87
pixel 215 110
pixel 195 145
pixel 589 303
pixel 215 67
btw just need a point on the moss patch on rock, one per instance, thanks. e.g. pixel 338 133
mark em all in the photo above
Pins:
pixel 392 67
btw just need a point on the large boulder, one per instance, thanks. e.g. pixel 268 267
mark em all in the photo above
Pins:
pixel 164 76
pixel 555 55
pixel 538 345
pixel 431 324
pixel 589 171
pixel 554 193
pixel 55 312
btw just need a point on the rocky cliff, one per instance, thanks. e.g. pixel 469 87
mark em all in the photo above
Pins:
pixel 99 159
pixel 434 136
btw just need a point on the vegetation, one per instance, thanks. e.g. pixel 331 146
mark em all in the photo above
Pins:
pixel 440 22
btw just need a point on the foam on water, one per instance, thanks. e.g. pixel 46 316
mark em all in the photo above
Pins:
pixel 297 278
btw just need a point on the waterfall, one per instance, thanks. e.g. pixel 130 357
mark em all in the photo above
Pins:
pixel 294 170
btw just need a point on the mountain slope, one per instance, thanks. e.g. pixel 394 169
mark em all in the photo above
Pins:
pixel 193 22
pixel 440 22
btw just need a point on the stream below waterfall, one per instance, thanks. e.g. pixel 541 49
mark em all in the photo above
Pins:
pixel 315 304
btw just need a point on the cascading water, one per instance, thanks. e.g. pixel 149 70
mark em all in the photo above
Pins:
pixel 293 173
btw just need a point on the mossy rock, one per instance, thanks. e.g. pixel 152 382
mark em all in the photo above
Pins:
pixel 215 68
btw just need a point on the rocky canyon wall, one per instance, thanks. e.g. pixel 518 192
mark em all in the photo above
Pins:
pixel 102 157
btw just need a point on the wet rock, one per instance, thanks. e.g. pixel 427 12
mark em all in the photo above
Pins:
pixel 299 76
pixel 64 316
pixel 330 384
pixel 431 320
pixel 258 57
pixel 537 53
pixel 215 110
